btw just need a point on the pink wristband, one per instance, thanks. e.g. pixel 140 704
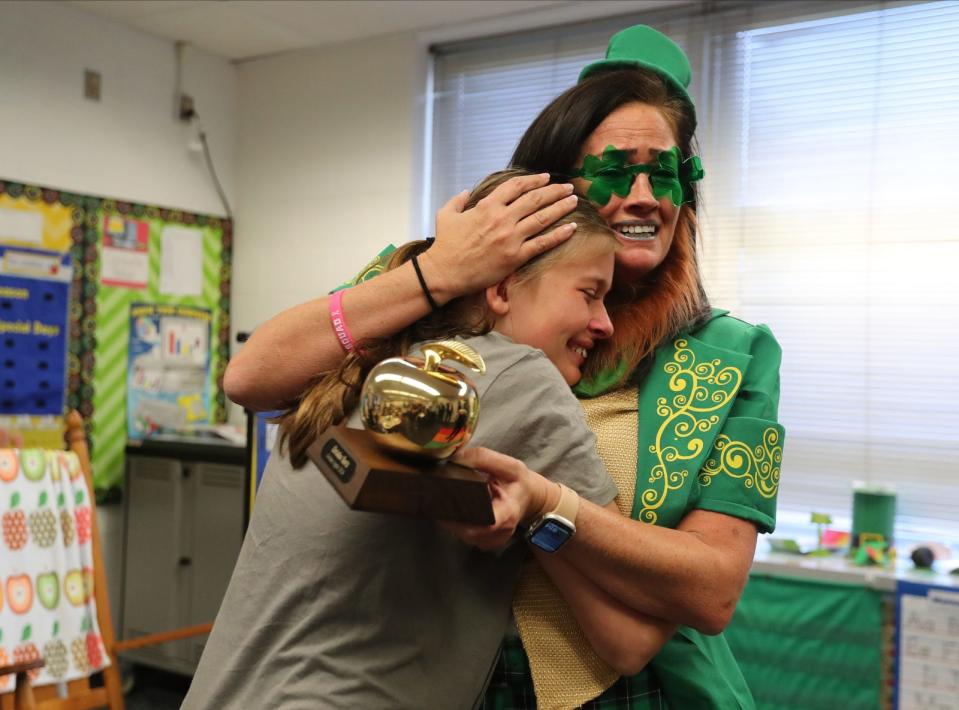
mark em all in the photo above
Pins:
pixel 339 322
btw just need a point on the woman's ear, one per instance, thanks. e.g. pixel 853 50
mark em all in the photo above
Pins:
pixel 497 296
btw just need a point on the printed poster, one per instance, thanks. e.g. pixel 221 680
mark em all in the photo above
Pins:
pixel 34 303
pixel 124 262
pixel 29 221
pixel 169 369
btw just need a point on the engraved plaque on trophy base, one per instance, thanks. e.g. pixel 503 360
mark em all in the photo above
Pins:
pixel 368 478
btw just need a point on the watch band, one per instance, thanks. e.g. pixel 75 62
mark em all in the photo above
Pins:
pixel 558 526
pixel 568 505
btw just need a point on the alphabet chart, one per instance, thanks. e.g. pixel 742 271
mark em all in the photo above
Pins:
pixel 927 653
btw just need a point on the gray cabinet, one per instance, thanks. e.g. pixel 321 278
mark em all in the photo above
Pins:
pixel 182 535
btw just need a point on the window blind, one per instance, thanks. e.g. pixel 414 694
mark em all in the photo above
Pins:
pixel 830 135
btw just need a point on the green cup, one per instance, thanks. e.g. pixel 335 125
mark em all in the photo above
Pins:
pixel 873 513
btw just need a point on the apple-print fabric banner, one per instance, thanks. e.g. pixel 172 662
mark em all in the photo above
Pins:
pixel 46 567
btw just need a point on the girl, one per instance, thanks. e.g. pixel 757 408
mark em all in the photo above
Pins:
pixel 330 607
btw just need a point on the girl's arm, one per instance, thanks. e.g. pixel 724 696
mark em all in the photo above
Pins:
pixel 473 248
pixel 623 637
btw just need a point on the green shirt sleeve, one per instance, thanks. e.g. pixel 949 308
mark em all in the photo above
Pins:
pixel 376 267
pixel 740 476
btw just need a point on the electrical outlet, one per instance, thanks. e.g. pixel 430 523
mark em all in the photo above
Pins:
pixel 91 84
pixel 187 111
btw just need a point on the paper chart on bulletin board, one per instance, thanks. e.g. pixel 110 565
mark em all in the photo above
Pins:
pixel 201 246
pixel 168 382
pixel 927 648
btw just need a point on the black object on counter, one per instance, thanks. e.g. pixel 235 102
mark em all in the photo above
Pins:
pixel 922 557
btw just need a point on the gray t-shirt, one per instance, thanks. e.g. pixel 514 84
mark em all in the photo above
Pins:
pixel 334 608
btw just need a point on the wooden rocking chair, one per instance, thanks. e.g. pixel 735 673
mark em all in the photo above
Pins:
pixel 80 694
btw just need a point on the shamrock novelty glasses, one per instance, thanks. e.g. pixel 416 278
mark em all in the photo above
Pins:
pixel 610 174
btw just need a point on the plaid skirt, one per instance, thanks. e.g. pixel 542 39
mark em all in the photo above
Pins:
pixel 511 686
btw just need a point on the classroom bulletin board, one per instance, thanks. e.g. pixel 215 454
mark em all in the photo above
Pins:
pixel 122 253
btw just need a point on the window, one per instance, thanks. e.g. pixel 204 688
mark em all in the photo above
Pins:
pixel 830 143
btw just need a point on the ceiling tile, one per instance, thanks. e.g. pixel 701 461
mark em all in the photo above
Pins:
pixel 344 20
pixel 221 29
pixel 123 10
pixel 244 29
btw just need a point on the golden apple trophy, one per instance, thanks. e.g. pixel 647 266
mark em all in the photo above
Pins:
pixel 417 412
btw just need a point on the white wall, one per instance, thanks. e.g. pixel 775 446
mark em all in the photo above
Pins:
pixel 329 168
pixel 330 158
pixel 319 151
pixel 129 145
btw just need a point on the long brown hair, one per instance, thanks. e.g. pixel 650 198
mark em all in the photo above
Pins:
pixel 333 395
pixel 671 298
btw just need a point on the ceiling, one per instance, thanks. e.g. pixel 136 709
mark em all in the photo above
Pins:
pixel 245 29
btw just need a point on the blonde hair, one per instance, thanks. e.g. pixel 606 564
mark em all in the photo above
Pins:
pixel 332 395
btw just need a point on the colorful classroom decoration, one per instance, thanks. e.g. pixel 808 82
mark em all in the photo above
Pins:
pixel 188 264
pixel 34 300
pixel 820 520
pixel 38 218
pixel 122 253
pixel 50 221
pixel 124 260
pixel 168 378
pixel 871 552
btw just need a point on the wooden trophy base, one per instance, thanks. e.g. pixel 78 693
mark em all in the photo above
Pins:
pixel 369 478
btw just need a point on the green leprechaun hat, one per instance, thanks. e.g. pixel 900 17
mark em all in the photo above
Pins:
pixel 642 46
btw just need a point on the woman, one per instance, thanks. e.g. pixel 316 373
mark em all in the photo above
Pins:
pixel 702 386
pixel 330 607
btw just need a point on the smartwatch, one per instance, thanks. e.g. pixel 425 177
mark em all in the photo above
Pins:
pixel 555 529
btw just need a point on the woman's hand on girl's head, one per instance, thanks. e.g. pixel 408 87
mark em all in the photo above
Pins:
pixel 478 247
pixel 518 495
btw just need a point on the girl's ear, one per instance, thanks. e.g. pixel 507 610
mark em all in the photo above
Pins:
pixel 497 296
